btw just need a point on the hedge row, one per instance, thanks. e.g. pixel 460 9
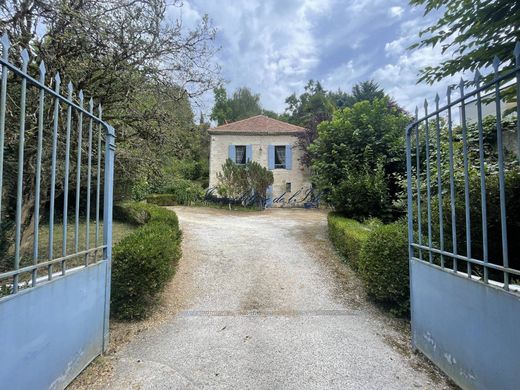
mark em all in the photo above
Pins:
pixel 348 236
pixel 162 199
pixel 380 254
pixel 144 261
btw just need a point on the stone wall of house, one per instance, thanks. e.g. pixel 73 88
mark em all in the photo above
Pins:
pixel 298 176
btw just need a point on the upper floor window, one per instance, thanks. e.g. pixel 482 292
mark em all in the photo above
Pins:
pixel 280 157
pixel 240 154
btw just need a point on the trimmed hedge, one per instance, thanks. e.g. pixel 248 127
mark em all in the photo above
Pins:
pixel 144 261
pixel 162 199
pixel 383 266
pixel 380 254
pixel 348 236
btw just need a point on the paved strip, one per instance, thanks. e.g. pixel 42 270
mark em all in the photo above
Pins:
pixel 265 313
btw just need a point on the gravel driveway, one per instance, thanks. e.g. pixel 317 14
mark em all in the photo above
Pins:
pixel 262 301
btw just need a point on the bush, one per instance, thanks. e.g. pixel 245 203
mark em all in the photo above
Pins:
pixel 162 199
pixel 363 193
pixel 140 189
pixel 185 191
pixel 348 237
pixel 383 265
pixel 512 184
pixel 246 184
pixel 144 261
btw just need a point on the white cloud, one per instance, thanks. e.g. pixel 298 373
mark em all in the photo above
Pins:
pixel 400 74
pixel 396 11
pixel 274 47
pixel 266 45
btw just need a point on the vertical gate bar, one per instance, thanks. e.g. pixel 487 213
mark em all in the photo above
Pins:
pixel 428 187
pixel 108 194
pixel 3 101
pixel 501 179
pixel 452 183
pixel 98 182
pixel 483 197
pixel 439 179
pixel 417 158
pixel 66 177
pixel 19 181
pixel 38 173
pixel 466 175
pixel 53 173
pixel 89 172
pixel 516 53
pixel 408 135
pixel 78 172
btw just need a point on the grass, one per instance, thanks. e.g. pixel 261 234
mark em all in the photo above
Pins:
pixel 119 231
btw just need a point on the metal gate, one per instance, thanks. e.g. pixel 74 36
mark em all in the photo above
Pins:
pixel 56 189
pixel 463 182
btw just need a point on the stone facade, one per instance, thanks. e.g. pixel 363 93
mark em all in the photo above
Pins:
pixel 290 185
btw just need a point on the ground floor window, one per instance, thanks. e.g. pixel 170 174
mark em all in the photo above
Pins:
pixel 240 154
pixel 287 187
pixel 279 157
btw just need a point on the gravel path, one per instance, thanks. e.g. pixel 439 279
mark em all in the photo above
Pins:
pixel 261 301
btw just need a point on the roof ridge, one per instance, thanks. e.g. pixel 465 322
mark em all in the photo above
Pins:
pixel 227 125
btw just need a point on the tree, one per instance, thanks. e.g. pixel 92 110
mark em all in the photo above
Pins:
pixel 316 105
pixel 221 109
pixel 308 110
pixel 245 183
pixel 475 31
pixel 360 151
pixel 142 67
pixel 243 104
pixel 366 90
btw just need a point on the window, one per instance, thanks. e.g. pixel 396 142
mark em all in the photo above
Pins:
pixel 287 187
pixel 279 157
pixel 240 155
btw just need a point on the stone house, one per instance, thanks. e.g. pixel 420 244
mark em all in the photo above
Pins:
pixel 271 143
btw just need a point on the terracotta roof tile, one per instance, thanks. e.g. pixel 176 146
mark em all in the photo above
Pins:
pixel 257 124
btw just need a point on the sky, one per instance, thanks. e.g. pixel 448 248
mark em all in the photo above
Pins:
pixel 275 47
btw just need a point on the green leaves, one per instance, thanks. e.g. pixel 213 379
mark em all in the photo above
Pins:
pixel 144 261
pixel 476 32
pixel 357 155
pixel 241 182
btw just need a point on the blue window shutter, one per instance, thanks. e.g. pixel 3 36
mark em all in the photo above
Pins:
pixel 249 153
pixel 231 153
pixel 270 157
pixel 288 156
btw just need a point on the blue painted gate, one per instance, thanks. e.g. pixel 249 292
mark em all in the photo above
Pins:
pixel 463 179
pixel 56 252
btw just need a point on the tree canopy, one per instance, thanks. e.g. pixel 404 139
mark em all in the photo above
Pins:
pixel 242 104
pixel 358 157
pixel 128 56
pixel 475 30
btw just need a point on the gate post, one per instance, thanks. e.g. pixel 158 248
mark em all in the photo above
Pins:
pixel 107 224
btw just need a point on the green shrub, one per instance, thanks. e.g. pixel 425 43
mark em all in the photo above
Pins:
pixel 348 236
pixel 144 261
pixel 363 193
pixel 161 199
pixel 494 232
pixel 140 189
pixel 383 265
pixel 185 191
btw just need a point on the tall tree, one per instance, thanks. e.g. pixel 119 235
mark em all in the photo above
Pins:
pixel 125 54
pixel 475 30
pixel 242 104
pixel 308 110
pixel 358 158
